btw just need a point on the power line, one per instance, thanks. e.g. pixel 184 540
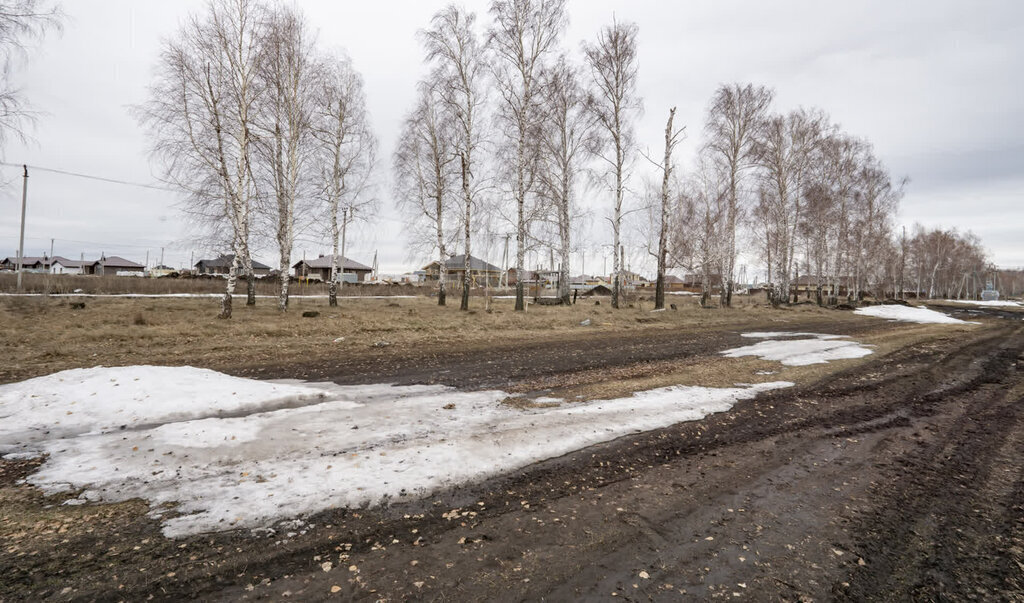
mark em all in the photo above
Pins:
pixel 89 177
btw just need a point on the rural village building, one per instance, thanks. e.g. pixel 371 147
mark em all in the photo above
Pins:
pixel 480 272
pixel 28 263
pixel 350 271
pixel 222 265
pixel 115 265
pixel 62 265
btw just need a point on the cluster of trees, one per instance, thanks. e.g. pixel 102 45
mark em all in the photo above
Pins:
pixel 505 123
pixel 267 135
pixel 811 199
pixel 264 132
pixel 944 263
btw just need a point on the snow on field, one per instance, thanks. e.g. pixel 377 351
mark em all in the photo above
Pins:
pixel 102 399
pixel 989 304
pixel 361 445
pixel 800 352
pixel 920 315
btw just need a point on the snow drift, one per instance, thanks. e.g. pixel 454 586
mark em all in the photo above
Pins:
pixel 920 315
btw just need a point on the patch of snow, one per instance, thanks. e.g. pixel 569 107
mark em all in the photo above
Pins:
pixel 800 352
pixel 103 399
pixel 899 313
pixel 362 445
pixel 778 334
pixel 990 304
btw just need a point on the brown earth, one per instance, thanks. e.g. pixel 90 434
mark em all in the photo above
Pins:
pixel 898 476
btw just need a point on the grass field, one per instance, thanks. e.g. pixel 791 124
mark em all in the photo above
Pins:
pixel 48 334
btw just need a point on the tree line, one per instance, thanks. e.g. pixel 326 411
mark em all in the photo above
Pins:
pixel 268 135
pixel 264 132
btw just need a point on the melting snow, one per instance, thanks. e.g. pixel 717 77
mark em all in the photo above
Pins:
pixel 103 399
pixel 349 446
pixel 800 352
pixel 920 315
pixel 990 304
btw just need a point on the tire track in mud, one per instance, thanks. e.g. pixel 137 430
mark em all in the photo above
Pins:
pixel 947 522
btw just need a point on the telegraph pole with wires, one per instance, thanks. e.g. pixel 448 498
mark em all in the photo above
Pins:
pixel 21 238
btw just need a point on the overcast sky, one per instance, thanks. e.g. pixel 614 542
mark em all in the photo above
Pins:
pixel 936 86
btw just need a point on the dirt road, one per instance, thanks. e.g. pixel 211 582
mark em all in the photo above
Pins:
pixel 899 478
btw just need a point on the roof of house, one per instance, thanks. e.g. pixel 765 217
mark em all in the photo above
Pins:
pixel 671 278
pixel 63 261
pixel 27 260
pixel 226 260
pixel 116 262
pixel 325 261
pixel 457 262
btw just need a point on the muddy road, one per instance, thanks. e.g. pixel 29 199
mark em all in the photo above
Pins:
pixel 899 478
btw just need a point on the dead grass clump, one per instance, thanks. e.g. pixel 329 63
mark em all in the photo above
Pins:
pixel 140 319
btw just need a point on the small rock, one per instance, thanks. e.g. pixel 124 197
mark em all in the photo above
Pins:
pixel 644 575
pixel 449 406
pixel 335 588
pixel 326 566
pixel 381 344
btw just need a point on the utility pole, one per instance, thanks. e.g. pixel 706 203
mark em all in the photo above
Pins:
pixel 21 239
pixel 504 261
pixel 161 257
pixel 191 257
pixel 344 225
pixel 51 249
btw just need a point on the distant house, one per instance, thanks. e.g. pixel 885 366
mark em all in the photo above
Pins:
pixel 28 263
pixel 161 270
pixel 320 268
pixel 597 290
pixel 62 265
pixel 222 265
pixel 480 272
pixel 416 277
pixel 114 265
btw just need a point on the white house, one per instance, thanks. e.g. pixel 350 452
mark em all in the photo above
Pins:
pixel 62 265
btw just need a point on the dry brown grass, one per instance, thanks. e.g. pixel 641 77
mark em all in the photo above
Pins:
pixel 44 334
pixel 67 284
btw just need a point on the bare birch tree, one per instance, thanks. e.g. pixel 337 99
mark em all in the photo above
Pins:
pixel 286 143
pixel 567 136
pixel 523 34
pixel 786 151
pixel 706 194
pixel 21 21
pixel 732 127
pixel 672 137
pixel 423 174
pixel 346 152
pixel 454 48
pixel 613 66
pixel 201 119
